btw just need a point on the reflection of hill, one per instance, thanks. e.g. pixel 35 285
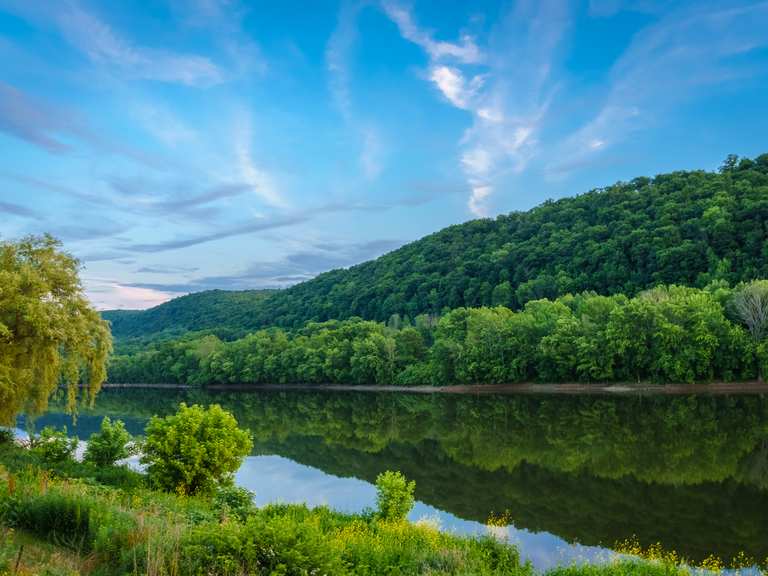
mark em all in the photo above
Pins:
pixel 665 440
pixel 725 517
pixel 690 472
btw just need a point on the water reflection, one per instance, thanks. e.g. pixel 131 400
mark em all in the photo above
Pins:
pixel 689 472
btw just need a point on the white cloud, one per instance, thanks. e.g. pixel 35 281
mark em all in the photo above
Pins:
pixel 111 295
pixel 450 81
pixel 465 52
pixel 259 179
pixel 507 101
pixel 101 44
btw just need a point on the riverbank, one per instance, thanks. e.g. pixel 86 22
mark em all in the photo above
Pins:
pixel 110 522
pixel 713 388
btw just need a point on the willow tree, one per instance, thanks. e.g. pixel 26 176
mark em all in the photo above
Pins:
pixel 49 333
pixel 750 304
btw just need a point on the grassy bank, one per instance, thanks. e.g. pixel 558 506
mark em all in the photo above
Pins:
pixel 74 518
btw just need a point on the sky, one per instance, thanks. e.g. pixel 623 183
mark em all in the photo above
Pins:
pixel 175 146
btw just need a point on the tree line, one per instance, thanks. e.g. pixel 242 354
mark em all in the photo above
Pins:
pixel 666 334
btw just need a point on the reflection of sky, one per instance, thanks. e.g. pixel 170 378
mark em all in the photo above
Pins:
pixel 279 479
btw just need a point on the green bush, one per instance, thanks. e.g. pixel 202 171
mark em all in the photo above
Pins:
pixel 195 450
pixel 394 495
pixel 54 446
pixel 234 500
pixel 262 545
pixel 110 444
pixel 6 436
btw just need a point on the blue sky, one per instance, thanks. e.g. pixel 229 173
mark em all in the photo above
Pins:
pixel 182 145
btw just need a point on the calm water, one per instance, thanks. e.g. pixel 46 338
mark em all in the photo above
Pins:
pixel 573 475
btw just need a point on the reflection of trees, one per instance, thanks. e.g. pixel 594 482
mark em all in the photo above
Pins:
pixel 668 440
pixel 695 520
pixel 689 472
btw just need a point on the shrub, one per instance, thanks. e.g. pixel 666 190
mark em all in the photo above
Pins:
pixel 6 436
pixel 109 444
pixel 234 500
pixel 195 450
pixel 54 446
pixel 262 545
pixel 394 495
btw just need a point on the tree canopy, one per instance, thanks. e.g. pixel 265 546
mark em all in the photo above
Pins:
pixel 49 333
pixel 666 334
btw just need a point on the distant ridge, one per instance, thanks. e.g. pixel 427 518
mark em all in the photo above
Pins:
pixel 200 311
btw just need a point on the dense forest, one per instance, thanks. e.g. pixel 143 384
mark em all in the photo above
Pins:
pixel 223 310
pixel 685 228
pixel 666 334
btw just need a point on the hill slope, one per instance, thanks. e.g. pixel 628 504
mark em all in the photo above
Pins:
pixel 200 311
pixel 683 227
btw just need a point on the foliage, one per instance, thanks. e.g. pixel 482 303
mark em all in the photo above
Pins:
pixel 151 532
pixel 6 436
pixel 666 334
pixel 234 500
pixel 394 495
pixel 194 450
pixel 224 311
pixel 54 445
pixel 110 444
pixel 48 330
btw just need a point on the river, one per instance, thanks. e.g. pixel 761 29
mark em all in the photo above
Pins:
pixel 569 475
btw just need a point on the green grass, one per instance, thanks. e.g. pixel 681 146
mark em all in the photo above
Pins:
pixel 73 524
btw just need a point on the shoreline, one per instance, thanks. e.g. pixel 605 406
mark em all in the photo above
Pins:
pixel 612 389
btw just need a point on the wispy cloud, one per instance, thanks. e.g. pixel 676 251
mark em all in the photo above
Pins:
pixel 295 267
pixel 337 56
pixel 259 180
pixel 104 45
pixel 507 97
pixel 43 184
pixel 664 65
pixel 257 225
pixel 58 129
pixel 464 51
pixel 167 269
pixel 223 19
pixel 37 122
pixel 170 199
pixel 18 210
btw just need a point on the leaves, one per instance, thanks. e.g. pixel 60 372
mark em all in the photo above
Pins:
pixel 50 334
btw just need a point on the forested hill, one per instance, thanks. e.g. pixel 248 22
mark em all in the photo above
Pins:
pixel 203 310
pixel 678 228
pixel 681 228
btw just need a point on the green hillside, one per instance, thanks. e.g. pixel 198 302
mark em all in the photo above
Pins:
pixel 678 228
pixel 201 311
